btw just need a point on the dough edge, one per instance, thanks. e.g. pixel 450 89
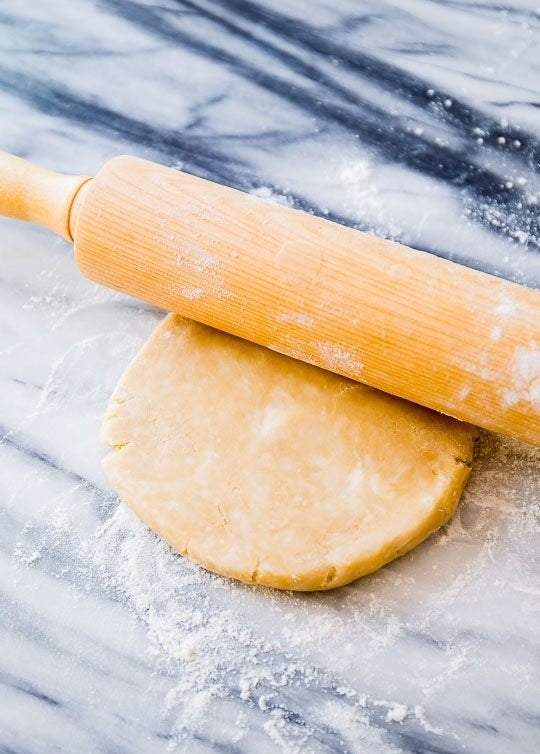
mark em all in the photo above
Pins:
pixel 329 575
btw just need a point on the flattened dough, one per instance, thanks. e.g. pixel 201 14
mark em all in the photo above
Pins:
pixel 272 471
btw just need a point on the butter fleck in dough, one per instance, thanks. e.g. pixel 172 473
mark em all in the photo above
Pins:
pixel 272 471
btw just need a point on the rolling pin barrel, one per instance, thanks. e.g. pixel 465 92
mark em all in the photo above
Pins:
pixel 454 339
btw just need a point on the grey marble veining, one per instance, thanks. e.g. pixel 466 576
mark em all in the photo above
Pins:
pixel 419 120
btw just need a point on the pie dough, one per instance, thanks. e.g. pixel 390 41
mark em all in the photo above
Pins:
pixel 272 471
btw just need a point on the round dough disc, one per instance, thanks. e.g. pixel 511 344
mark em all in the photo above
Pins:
pixel 272 471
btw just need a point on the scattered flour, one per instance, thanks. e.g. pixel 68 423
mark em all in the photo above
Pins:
pixel 300 664
pixel 303 320
pixel 209 278
pixel 526 377
pixel 192 293
pixel 221 640
pixel 396 712
pixel 420 715
pixel 337 359
pixel 360 197
pixel 304 667
pixel 204 261
pixel 26 558
pixel 271 195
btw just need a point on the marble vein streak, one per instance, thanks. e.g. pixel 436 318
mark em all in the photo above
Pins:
pixel 400 86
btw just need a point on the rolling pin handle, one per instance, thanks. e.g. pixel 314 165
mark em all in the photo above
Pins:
pixel 38 195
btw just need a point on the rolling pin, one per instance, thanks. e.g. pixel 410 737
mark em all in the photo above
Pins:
pixel 453 339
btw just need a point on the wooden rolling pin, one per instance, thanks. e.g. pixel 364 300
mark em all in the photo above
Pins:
pixel 442 335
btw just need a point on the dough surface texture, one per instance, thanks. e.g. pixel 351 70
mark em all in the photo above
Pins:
pixel 272 471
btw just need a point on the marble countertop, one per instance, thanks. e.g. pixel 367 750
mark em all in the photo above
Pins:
pixel 417 120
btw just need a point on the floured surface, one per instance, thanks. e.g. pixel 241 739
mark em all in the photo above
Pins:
pixel 272 471
pixel 110 642
pixel 140 646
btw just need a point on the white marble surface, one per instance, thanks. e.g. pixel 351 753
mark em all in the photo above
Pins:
pixel 420 120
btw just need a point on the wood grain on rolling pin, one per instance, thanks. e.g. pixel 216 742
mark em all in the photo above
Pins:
pixel 434 332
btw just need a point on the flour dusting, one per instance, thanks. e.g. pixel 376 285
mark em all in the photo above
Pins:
pixel 372 665
pixel 222 640
pixel 296 318
pixel 300 664
pixel 338 359
pixel 271 195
